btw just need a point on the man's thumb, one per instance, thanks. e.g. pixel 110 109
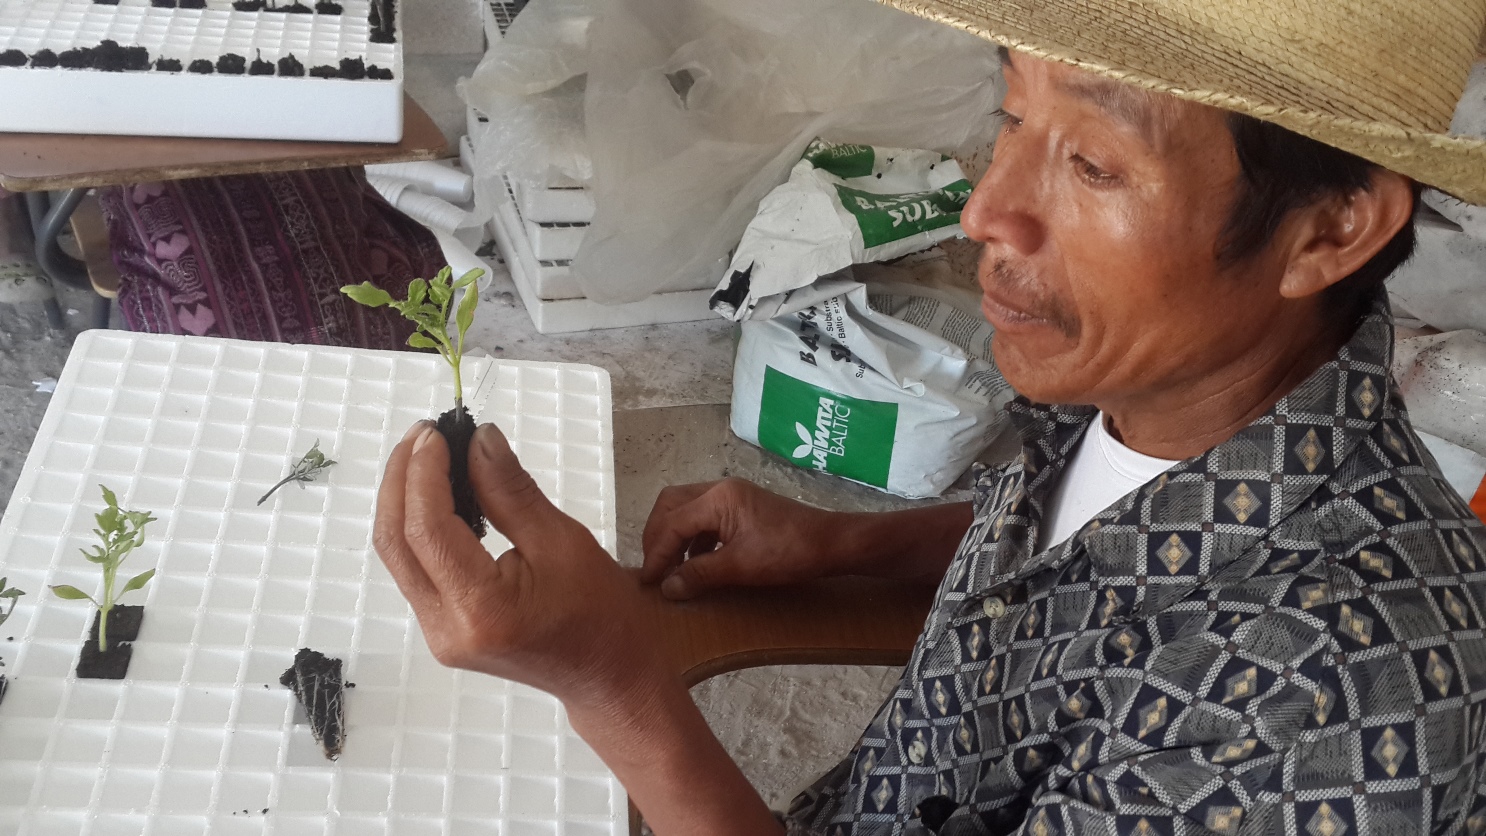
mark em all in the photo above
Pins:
pixel 700 575
pixel 508 495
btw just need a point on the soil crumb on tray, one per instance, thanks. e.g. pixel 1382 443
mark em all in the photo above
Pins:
pixel 458 429
pixel 316 682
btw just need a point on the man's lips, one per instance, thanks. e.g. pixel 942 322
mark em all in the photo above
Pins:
pixel 1007 315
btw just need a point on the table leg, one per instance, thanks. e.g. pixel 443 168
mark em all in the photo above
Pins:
pixel 47 221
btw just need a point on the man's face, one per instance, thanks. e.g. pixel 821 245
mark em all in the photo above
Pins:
pixel 1100 217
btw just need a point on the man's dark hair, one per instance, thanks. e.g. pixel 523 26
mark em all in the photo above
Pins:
pixel 1283 171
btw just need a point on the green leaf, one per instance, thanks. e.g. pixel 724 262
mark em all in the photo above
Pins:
pixel 420 340
pixel 368 294
pixel 469 278
pixel 108 518
pixel 438 291
pixel 417 291
pixel 97 556
pixel 71 593
pixel 464 316
pixel 108 496
pixel 137 582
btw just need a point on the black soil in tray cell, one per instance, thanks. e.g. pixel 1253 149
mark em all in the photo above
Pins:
pixel 13 58
pixel 123 628
pixel 290 66
pixel 232 64
pixel 201 66
pixel 43 59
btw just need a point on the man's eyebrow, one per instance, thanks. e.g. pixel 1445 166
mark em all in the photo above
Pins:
pixel 1135 108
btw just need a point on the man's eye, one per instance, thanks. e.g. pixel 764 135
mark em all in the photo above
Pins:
pixel 1093 173
pixel 1008 122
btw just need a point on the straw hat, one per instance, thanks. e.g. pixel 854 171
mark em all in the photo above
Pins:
pixel 1377 78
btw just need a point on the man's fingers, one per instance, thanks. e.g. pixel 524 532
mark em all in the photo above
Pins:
pixel 703 574
pixel 508 495
pixel 388 530
pixel 655 565
pixel 447 550
pixel 669 535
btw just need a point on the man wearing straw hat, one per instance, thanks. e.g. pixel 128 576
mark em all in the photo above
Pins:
pixel 1223 590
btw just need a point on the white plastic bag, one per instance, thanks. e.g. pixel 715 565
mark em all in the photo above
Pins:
pixel 842 205
pixel 697 108
pixel 1443 382
pixel 888 383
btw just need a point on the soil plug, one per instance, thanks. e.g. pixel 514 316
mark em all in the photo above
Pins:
pixel 9 593
pixel 121 532
pixel 316 682
pixel 427 307
pixel 306 470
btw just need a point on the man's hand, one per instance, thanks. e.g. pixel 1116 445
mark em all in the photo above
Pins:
pixel 558 613
pixel 734 533
pixel 555 611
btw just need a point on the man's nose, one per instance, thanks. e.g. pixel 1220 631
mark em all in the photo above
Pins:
pixel 1001 209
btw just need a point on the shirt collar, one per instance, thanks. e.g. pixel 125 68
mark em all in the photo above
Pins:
pixel 1258 477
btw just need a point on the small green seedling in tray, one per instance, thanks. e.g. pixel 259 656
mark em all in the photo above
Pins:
pixel 121 532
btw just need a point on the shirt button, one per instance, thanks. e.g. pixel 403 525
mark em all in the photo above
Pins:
pixel 994 607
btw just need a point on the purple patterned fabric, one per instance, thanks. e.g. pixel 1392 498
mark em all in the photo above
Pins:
pixel 263 257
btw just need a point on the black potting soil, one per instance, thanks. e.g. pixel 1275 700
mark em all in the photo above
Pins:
pixel 232 64
pixel 13 58
pixel 324 71
pixel 325 7
pixel 123 628
pixel 316 682
pixel 290 66
pixel 382 18
pixel 201 66
pixel 193 4
pixel 163 4
pixel 76 58
pixel 375 72
pixel 110 57
pixel 44 59
pixel 248 5
pixel 353 69
pixel 168 65
pixel 458 429
pixel 260 67
pixel 294 9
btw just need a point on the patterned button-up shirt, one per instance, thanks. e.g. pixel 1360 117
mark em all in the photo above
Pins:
pixel 1283 635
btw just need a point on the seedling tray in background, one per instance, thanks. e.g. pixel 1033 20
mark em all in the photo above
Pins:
pixel 152 102
pixel 192 742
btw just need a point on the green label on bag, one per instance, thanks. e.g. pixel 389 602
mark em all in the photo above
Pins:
pixel 825 430
pixel 889 217
pixel 844 161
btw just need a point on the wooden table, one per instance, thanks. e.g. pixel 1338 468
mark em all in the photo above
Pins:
pixel 71 164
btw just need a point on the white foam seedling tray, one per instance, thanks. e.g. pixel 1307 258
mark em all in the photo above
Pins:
pixel 566 204
pixel 192 742
pixel 156 103
pixel 555 302
pixel 554 241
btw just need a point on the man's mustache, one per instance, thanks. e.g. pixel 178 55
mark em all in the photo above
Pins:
pixel 1019 287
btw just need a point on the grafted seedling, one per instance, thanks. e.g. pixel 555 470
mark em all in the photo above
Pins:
pixel 306 470
pixel 121 532
pixel 427 307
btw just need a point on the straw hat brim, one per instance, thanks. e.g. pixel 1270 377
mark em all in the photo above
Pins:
pixel 1088 36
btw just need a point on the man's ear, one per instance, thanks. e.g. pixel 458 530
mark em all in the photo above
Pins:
pixel 1333 239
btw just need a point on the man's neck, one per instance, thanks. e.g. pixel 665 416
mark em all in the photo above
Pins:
pixel 1197 413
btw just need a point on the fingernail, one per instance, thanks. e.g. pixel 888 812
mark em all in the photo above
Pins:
pixel 484 441
pixel 673 587
pixel 417 427
pixel 423 439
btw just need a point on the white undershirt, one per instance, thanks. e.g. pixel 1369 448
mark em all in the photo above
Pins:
pixel 1102 471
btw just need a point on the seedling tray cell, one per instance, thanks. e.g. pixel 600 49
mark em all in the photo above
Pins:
pixel 191 741
pixel 121 95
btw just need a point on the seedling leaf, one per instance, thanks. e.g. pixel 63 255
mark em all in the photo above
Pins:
pixel 368 294
pixel 71 593
pixel 138 581
pixel 427 307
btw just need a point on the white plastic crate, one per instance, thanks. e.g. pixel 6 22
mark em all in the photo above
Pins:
pixel 192 742
pixel 553 299
pixel 164 103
